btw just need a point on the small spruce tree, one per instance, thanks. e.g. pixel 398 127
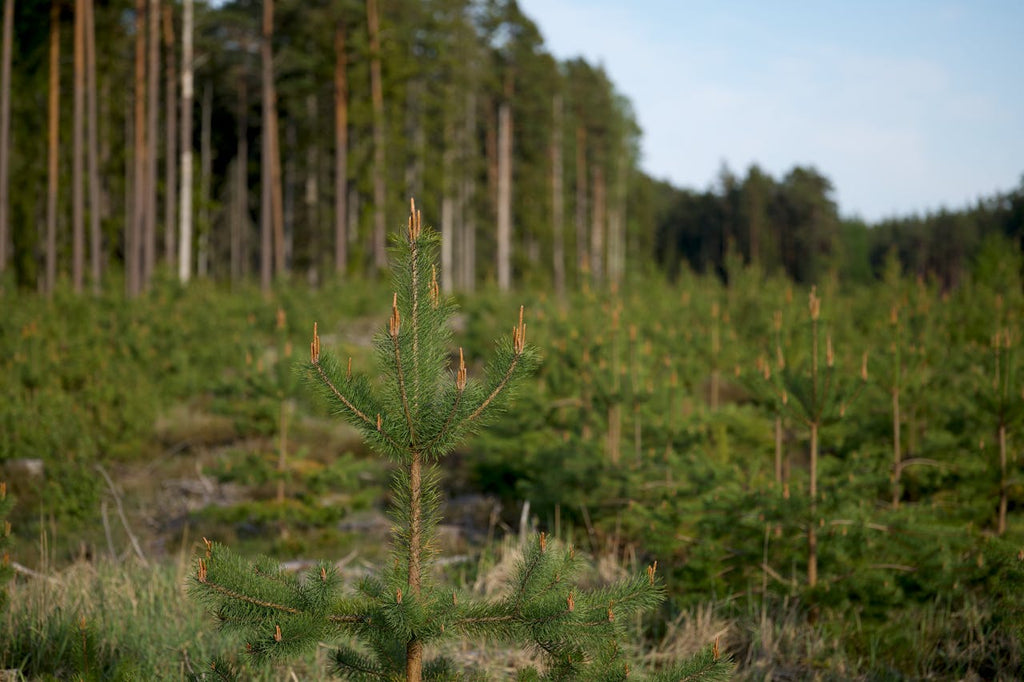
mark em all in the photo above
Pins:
pixel 418 415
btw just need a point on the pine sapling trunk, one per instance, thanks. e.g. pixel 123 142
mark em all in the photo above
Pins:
pixel 812 536
pixel 414 649
pixel 1002 480
pixel 897 455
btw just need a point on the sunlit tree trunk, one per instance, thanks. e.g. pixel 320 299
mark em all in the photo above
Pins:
pixel 557 196
pixel 504 196
pixel 78 151
pixel 271 208
pixel 92 150
pixel 617 219
pixel 467 199
pixel 597 226
pixel 312 194
pixel 152 127
pixel 448 198
pixel 582 256
pixel 171 140
pixel 52 148
pixel 205 178
pixel 340 151
pixel 187 92
pixel 5 133
pixel 379 167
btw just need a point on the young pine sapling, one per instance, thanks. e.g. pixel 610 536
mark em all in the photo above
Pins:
pixel 384 629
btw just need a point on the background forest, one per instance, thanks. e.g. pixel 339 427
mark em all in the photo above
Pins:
pixel 740 382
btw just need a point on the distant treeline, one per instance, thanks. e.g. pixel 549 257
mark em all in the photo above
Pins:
pixel 265 140
pixel 793 225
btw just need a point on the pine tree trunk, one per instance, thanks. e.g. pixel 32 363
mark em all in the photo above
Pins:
pixel 266 156
pixel 557 197
pixel 171 140
pixel 312 194
pixel 152 131
pixel 1003 483
pixel 5 133
pixel 414 649
pixel 240 194
pixel 448 200
pixel 617 220
pixel 78 151
pixel 92 149
pixel 340 152
pixel 504 227
pixel 897 463
pixel 205 178
pixel 288 182
pixel 467 244
pixel 137 227
pixel 582 257
pixel 187 93
pixel 379 167
pixel 415 137
pixel 812 535
pixel 280 262
pixel 597 227
pixel 53 147
pixel 778 450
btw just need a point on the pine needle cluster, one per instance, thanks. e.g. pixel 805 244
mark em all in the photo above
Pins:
pixel 415 415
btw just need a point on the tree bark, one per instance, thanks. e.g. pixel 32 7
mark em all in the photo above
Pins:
pixel 5 133
pixel 414 648
pixel 53 146
pixel 448 199
pixel 171 141
pixel 312 194
pixel 504 235
pixel 152 128
pixel 379 168
pixel 812 535
pixel 205 177
pixel 340 151
pixel 467 199
pixel 1003 482
pixel 240 225
pixel 582 256
pixel 557 197
pixel 897 455
pixel 597 226
pixel 137 226
pixel 266 163
pixel 187 94
pixel 78 151
pixel 92 150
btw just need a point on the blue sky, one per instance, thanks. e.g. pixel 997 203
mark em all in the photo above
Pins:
pixel 907 106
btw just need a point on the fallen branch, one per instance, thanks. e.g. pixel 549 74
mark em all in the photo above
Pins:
pixel 124 519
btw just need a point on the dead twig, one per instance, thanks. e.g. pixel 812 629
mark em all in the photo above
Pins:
pixel 124 518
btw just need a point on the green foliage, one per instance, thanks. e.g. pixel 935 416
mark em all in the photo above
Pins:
pixel 415 415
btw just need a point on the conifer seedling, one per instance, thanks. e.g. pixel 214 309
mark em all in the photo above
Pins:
pixel 389 627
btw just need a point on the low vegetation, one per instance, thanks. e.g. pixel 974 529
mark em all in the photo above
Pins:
pixel 656 428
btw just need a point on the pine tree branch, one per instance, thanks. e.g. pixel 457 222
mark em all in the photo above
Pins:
pixel 374 425
pixel 497 389
pixel 228 592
